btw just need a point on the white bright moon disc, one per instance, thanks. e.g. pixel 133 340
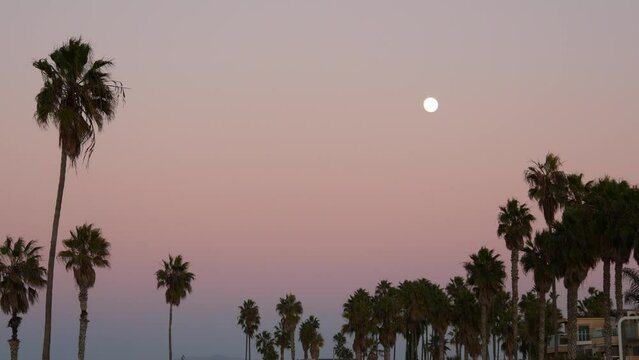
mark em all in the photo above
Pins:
pixel 431 104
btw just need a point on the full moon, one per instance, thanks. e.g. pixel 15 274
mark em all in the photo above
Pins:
pixel 431 104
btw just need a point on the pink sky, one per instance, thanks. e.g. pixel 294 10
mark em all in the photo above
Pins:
pixel 283 148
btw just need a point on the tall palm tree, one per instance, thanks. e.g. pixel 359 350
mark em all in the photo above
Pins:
pixel 486 275
pixel 538 258
pixel 175 277
pixel 249 320
pixel 439 314
pixel 20 278
pixel 465 309
pixel 290 310
pixel 413 298
pixel 78 97
pixel 308 332
pixel 547 185
pixel 84 251
pixel 515 226
pixel 388 315
pixel 282 340
pixel 358 313
pixel 576 258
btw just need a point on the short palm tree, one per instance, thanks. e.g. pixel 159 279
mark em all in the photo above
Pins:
pixel 577 257
pixel 174 276
pixel 309 333
pixel 249 320
pixel 548 186
pixel 631 295
pixel 515 226
pixel 290 311
pixel 316 346
pixel 486 275
pixel 358 313
pixel 84 251
pixel 538 258
pixel 266 346
pixel 78 97
pixel 282 340
pixel 20 278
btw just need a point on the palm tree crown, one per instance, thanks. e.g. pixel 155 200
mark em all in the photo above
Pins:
pixel 85 250
pixel 175 278
pixel 78 96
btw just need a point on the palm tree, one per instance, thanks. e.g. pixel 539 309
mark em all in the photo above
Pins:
pixel 290 310
pixel 77 97
pixel 249 320
pixel 464 313
pixel 547 185
pixel 537 258
pixel 486 275
pixel 308 333
pixel 316 346
pixel 388 315
pixel 358 313
pixel 594 305
pixel 439 314
pixel 175 277
pixel 266 346
pixel 574 261
pixel 20 278
pixel 632 294
pixel 515 225
pixel 340 351
pixel 84 251
pixel 282 340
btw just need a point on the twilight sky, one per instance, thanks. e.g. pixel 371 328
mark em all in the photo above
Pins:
pixel 282 147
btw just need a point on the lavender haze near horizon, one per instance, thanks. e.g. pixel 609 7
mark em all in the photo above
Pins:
pixel 282 147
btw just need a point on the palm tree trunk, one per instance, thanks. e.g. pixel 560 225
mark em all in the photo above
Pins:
pixel 442 345
pixel 249 347
pixel 484 332
pixel 619 289
pixel 281 352
pixel 14 343
pixel 387 355
pixel 84 322
pixel 554 318
pixel 46 346
pixel 542 327
pixel 394 351
pixel 571 327
pixel 607 326
pixel 170 324
pixel 245 346
pixel 514 274
pixel 292 344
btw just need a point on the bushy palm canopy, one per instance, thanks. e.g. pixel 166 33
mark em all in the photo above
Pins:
pixel 281 338
pixel 576 253
pixel 358 313
pixel 175 278
pixel 20 275
pixel 78 96
pixel 515 224
pixel 84 251
pixel 486 273
pixel 593 305
pixel 308 332
pixel 249 318
pixel 631 295
pixel 266 345
pixel 547 185
pixel 537 258
pixel 387 312
pixel 290 310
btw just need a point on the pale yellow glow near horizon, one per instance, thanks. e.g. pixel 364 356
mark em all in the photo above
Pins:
pixel 431 104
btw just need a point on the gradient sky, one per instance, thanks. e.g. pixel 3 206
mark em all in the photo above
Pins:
pixel 282 147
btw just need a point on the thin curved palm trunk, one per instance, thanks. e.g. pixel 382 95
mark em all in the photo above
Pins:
pixel 619 289
pixel 607 326
pixel 46 346
pixel 541 342
pixel 281 352
pixel 14 343
pixel 170 339
pixel 245 346
pixel 571 327
pixel 84 322
pixel 249 346
pixel 514 274
pixel 484 331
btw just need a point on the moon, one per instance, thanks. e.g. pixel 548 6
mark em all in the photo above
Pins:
pixel 431 104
